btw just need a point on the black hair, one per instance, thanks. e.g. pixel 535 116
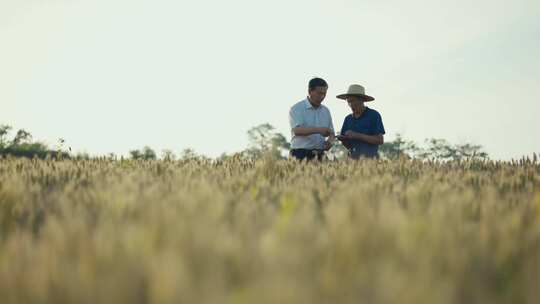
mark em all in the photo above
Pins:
pixel 317 82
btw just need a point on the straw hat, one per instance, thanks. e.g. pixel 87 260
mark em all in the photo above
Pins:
pixel 358 91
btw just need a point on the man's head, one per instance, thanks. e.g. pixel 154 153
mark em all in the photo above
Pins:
pixel 317 90
pixel 355 103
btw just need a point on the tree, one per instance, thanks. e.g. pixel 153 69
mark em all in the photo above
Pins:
pixel 264 139
pixel 434 148
pixel 22 136
pixel 279 141
pixel 260 137
pixel 188 154
pixel 146 153
pixel 438 149
pixel 22 145
pixel 4 130
pixel 398 148
pixel 168 155
pixel 470 151
pixel 135 154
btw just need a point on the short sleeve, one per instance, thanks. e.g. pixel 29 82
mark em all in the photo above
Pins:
pixel 379 127
pixel 295 118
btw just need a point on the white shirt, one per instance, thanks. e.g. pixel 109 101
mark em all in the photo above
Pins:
pixel 303 114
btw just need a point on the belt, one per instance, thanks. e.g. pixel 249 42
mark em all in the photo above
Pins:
pixel 309 150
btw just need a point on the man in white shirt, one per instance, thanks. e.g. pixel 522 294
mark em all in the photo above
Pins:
pixel 311 123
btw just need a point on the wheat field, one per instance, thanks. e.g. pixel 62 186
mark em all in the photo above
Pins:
pixel 269 231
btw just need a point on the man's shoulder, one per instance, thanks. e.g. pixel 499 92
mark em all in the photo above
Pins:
pixel 324 108
pixel 374 112
pixel 348 117
pixel 299 105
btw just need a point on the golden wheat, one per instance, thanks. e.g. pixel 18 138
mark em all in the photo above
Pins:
pixel 270 231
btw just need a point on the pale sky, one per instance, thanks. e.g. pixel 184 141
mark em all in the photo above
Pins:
pixel 115 75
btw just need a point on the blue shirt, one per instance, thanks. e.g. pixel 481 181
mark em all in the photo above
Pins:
pixel 369 123
pixel 303 114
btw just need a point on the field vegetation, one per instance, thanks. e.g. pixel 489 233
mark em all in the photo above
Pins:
pixel 102 230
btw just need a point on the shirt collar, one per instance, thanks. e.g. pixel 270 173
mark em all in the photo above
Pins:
pixel 308 104
pixel 361 115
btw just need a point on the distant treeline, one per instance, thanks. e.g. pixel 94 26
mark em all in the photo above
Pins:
pixel 22 145
pixel 263 140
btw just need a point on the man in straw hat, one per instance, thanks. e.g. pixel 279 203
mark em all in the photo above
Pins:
pixel 311 124
pixel 363 130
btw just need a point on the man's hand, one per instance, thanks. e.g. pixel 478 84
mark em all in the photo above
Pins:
pixel 350 134
pixel 327 145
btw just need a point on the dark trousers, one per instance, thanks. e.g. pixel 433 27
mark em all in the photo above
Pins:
pixel 307 154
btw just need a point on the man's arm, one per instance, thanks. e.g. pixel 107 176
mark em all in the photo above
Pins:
pixel 331 137
pixel 330 127
pixel 370 139
pixel 303 131
pixel 330 141
pixel 341 137
pixel 296 121
pixel 345 142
